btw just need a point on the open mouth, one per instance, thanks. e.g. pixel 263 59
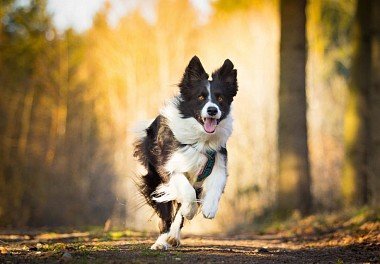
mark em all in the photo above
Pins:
pixel 209 124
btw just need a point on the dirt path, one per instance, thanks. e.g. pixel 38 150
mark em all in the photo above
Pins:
pixel 130 247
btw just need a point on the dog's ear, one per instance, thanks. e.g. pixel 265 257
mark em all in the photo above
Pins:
pixel 194 72
pixel 228 75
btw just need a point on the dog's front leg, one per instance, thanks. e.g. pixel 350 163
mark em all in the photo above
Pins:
pixel 179 189
pixel 213 187
pixel 185 196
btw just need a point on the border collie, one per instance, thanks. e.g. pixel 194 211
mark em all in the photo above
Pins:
pixel 184 150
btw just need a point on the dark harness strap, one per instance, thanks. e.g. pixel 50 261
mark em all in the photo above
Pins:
pixel 207 169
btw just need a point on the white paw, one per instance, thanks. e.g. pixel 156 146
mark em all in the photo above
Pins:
pixel 209 208
pixel 189 210
pixel 161 243
pixel 160 246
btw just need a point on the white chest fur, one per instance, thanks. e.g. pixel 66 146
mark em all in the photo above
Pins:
pixel 188 161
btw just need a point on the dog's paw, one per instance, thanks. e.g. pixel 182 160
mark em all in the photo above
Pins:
pixel 160 246
pixel 209 209
pixel 189 210
pixel 173 241
pixel 161 243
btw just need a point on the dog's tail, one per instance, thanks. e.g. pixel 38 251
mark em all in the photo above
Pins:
pixel 147 185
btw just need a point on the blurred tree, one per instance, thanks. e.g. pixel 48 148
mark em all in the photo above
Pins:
pixel 374 162
pixel 5 6
pixel 229 6
pixel 361 183
pixel 355 174
pixel 329 34
pixel 294 175
pixel 24 49
pixel 55 163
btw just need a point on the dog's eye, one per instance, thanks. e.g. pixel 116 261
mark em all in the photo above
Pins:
pixel 220 99
pixel 201 98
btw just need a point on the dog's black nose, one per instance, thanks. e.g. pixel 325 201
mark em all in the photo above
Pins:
pixel 212 110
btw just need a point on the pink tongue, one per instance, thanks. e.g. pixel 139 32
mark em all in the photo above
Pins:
pixel 210 125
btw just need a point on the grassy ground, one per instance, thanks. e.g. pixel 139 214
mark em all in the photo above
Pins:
pixel 344 238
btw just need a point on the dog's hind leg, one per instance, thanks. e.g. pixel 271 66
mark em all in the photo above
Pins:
pixel 170 230
pixel 164 211
pixel 175 229
pixel 174 233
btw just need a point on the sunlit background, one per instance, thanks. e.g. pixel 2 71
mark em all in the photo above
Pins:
pixel 76 76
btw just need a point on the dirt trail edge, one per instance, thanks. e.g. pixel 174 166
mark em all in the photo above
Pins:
pixel 122 247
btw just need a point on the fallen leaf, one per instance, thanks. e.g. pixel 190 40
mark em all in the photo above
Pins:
pixel 3 250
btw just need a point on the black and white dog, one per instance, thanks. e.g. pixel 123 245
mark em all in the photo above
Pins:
pixel 184 150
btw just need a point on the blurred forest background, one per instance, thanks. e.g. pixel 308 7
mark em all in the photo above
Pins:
pixel 68 102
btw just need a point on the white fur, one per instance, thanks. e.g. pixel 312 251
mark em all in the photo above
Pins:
pixel 213 187
pixel 161 242
pixel 165 192
pixel 204 110
pixel 174 232
pixel 186 160
pixel 204 113
pixel 178 188
pixel 175 227
pixel 209 91
pixel 190 131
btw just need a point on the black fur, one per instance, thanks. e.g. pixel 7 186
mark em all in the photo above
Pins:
pixel 153 151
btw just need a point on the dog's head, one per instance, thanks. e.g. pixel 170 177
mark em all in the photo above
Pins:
pixel 209 102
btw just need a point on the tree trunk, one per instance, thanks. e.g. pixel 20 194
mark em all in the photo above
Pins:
pixel 356 131
pixel 374 162
pixel 26 120
pixel 294 178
